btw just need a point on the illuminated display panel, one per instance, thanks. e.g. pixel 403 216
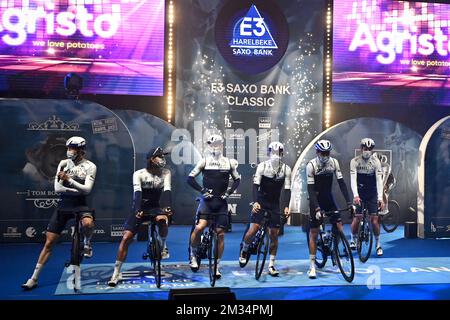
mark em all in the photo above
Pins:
pixel 117 46
pixel 387 51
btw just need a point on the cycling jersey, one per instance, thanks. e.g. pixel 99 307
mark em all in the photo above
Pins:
pixel 319 177
pixel 81 180
pixel 216 174
pixel 366 178
pixel 270 181
pixel 152 185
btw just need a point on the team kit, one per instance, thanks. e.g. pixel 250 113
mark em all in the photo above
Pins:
pixel 271 193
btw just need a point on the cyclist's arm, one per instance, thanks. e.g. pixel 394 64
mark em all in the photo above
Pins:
pixel 235 176
pixel 59 188
pixel 88 183
pixel 311 183
pixel 195 172
pixel 257 181
pixel 379 177
pixel 286 194
pixel 137 192
pixel 353 176
pixel 341 182
pixel 166 197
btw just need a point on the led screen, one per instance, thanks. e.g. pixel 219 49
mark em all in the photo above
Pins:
pixel 117 46
pixel 387 51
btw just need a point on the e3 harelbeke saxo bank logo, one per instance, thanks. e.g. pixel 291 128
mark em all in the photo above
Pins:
pixel 252 36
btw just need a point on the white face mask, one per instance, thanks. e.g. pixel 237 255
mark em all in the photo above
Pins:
pixel 366 154
pixel 216 151
pixel 323 159
pixel 71 155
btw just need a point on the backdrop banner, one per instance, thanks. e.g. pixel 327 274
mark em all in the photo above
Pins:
pixel 33 135
pixel 434 182
pixel 251 70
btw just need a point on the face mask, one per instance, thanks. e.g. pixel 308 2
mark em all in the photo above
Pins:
pixel 216 151
pixel 160 162
pixel 71 155
pixel 323 159
pixel 366 154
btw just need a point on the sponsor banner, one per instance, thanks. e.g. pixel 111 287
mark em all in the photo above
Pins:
pixel 251 70
pixel 137 277
pixel 41 129
pixel 434 182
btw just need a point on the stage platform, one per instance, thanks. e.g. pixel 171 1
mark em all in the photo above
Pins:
pixel 409 269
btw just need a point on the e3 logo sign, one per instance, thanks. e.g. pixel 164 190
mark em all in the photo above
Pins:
pixel 252 31
pixel 255 25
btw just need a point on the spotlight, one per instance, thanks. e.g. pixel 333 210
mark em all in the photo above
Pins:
pixel 73 83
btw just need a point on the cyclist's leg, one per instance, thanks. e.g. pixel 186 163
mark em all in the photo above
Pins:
pixel 255 219
pixel 372 207
pixel 162 222
pixel 274 229
pixel 55 227
pixel 130 229
pixel 354 227
pixel 87 222
pixel 196 233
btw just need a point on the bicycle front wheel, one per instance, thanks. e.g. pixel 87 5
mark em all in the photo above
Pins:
pixel 365 239
pixel 343 256
pixel 391 219
pixel 213 254
pixel 156 261
pixel 261 254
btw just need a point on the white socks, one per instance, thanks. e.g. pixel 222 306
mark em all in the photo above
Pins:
pixel 245 246
pixel 312 259
pixel 87 240
pixel 163 240
pixel 377 239
pixel 37 271
pixel 193 251
pixel 271 261
pixel 117 267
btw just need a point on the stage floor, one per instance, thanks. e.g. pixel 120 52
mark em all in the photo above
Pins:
pixel 409 269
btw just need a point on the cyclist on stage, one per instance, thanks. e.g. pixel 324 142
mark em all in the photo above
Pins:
pixel 216 170
pixel 319 173
pixel 74 180
pixel 151 195
pixel 367 187
pixel 271 177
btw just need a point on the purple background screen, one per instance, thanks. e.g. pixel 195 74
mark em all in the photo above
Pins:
pixel 387 51
pixel 117 46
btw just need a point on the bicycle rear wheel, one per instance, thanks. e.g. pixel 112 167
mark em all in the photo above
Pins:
pixel 391 220
pixel 156 258
pixel 261 253
pixel 343 256
pixel 365 239
pixel 213 254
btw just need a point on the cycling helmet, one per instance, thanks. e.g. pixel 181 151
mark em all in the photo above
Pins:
pixel 323 145
pixel 275 147
pixel 368 143
pixel 76 142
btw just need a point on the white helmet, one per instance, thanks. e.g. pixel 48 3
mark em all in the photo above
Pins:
pixel 368 143
pixel 275 147
pixel 323 145
pixel 76 142
pixel 214 139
